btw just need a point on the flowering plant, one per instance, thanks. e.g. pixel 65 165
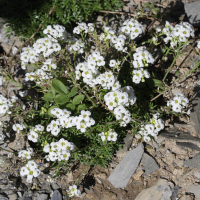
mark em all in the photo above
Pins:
pixel 92 87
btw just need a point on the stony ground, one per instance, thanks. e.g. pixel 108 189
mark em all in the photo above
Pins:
pixel 169 167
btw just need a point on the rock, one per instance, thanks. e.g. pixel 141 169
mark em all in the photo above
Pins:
pixel 194 162
pixel 186 197
pixel 188 145
pixel 155 144
pixel 175 192
pixel 6 48
pixel 12 197
pixel 195 189
pixel 55 186
pixel 194 62
pixel 127 144
pixel 197 175
pixel 2 197
pixel 195 111
pixel 127 166
pixel 192 11
pixel 8 43
pixel 175 134
pixel 149 164
pixel 43 197
pixel 56 195
pixel 161 190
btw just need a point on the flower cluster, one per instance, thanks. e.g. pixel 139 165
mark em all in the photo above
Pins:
pixel 4 104
pixel 107 80
pixel 151 130
pixel 89 70
pixel 26 153
pixel 77 46
pixel 41 76
pixel 58 150
pixel 83 27
pixel 34 131
pixel 31 169
pixel 46 45
pixel 142 58
pixel 132 28
pixel 178 103
pixel 117 41
pixel 73 191
pixel 18 127
pixel 66 121
pixel 117 101
pixel 139 75
pixel 177 33
pixel 109 135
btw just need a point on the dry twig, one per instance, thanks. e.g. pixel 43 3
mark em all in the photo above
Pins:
pixel 122 13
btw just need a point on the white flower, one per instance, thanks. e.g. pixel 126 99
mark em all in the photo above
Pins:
pixel 73 191
pixel 33 136
pixel 112 136
pixel 56 47
pixel 48 30
pixel 112 63
pixel 198 44
pixel 177 108
pixel 17 127
pixel 23 93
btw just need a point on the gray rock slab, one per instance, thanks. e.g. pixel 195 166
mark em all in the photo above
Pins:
pixel 161 190
pixel 194 62
pixel 192 11
pixel 127 144
pixel 43 197
pixel 149 164
pixel 56 195
pixel 195 189
pixel 188 145
pixel 197 175
pixel 175 134
pixel 127 166
pixel 193 162
pixel 55 186
pixel 175 192
pixel 195 111
pixel 3 197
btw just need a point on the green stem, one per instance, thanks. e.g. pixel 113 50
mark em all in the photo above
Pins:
pixel 177 53
pixel 8 150
pixel 166 53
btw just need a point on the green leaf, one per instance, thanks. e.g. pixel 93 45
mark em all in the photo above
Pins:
pixel 49 111
pixel 61 99
pixel 82 107
pixel 77 99
pixel 53 91
pixel 59 86
pixel 74 90
pixel 70 106
pixel 158 83
pixel 177 72
pixel 48 96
